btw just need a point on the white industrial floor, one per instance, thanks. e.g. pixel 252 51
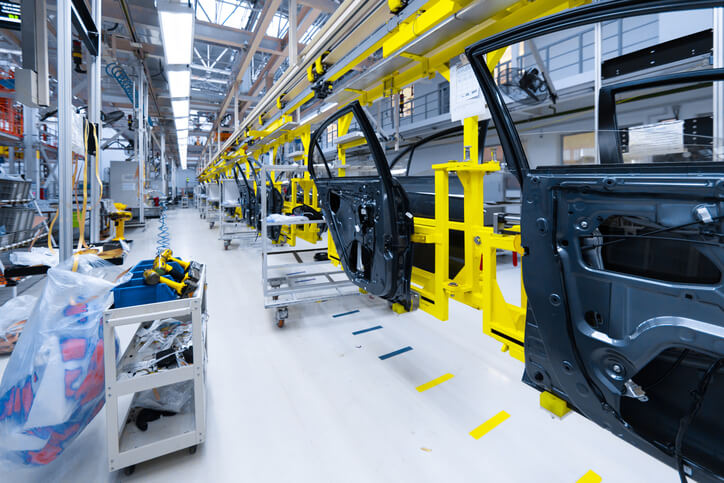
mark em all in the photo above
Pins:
pixel 314 403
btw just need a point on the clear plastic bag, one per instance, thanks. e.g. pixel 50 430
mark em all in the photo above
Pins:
pixel 13 316
pixel 36 256
pixel 53 385
pixel 172 398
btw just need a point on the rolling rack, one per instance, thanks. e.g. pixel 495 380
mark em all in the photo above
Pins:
pixel 213 198
pixel 128 445
pixel 296 283
pixel 230 227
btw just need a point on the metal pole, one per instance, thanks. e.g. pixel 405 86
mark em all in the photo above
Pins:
pixel 141 141
pixel 11 159
pixel 65 119
pixel 236 107
pixel 94 116
pixel 164 186
pixel 32 163
pixel 718 86
pixel 292 33
pixel 596 86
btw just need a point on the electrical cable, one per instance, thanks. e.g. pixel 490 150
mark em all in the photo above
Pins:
pixel 655 232
pixel 666 374
pixel 698 398
pixel 83 213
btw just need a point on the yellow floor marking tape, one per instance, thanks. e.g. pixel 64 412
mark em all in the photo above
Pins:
pixel 590 477
pixel 488 425
pixel 434 382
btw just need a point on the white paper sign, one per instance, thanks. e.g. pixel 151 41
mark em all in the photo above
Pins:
pixel 466 97
pixel 661 138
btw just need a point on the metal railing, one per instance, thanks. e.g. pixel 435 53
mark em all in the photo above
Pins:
pixel 581 49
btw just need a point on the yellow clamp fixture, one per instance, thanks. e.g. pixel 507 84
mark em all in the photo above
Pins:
pixel 396 5
pixel 317 68
pixel 261 119
pixel 281 102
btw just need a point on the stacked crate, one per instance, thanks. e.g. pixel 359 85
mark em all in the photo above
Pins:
pixel 16 221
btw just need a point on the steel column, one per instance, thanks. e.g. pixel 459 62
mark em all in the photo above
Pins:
pixel 65 119
pixel 11 160
pixel 140 139
pixel 94 116
pixel 164 186
pixel 292 29
pixel 32 163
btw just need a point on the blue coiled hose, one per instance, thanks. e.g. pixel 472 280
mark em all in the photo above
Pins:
pixel 163 239
pixel 117 72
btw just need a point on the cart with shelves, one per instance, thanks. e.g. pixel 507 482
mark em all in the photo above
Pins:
pixel 304 280
pixel 128 445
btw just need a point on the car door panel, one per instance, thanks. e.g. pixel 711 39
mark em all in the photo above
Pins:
pixel 368 217
pixel 623 271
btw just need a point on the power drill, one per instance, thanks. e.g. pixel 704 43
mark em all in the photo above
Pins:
pixel 183 289
pixel 184 282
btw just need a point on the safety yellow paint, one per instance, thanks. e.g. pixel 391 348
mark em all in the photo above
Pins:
pixel 434 382
pixel 470 139
pixel 431 14
pixel 553 404
pixel 590 477
pixel 489 425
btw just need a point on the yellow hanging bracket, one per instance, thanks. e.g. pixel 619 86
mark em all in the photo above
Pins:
pixel 424 62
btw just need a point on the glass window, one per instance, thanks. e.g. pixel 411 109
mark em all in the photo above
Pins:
pixel 547 83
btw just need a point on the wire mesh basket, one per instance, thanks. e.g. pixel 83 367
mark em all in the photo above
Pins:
pixel 14 190
pixel 16 219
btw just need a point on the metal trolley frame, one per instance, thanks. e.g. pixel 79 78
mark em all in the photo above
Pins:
pixel 127 445
pixel 282 290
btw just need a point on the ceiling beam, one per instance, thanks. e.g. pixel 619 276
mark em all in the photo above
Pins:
pixel 265 18
pixel 275 61
pixel 326 6
pixel 232 37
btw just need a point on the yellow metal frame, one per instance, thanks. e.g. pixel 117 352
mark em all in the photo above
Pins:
pixel 475 285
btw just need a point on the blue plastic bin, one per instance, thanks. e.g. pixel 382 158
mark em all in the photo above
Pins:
pixel 136 292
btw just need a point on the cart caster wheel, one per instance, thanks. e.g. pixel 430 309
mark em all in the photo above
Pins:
pixel 280 323
pixel 226 245
pixel 129 470
pixel 192 449
pixel 211 225
pixel 275 297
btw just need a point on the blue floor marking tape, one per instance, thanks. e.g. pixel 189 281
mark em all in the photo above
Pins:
pixel 295 273
pixel 396 353
pixel 345 313
pixel 358 332
pixel 305 280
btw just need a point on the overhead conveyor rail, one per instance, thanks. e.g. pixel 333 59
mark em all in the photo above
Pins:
pixel 418 42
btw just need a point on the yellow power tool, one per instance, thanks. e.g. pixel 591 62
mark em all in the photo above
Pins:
pixel 183 289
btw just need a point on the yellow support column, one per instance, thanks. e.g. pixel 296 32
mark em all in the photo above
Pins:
pixel 470 139
pixel 442 245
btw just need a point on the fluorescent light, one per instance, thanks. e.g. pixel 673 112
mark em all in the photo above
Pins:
pixel 179 83
pixel 177 34
pixel 182 123
pixel 180 108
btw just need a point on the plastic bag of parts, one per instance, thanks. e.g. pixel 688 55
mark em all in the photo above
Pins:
pixel 36 256
pixel 15 313
pixel 172 398
pixel 53 385
pixel 163 344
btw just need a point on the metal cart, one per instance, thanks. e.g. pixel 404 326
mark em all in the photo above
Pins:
pixel 302 281
pixel 213 199
pixel 128 445
pixel 230 227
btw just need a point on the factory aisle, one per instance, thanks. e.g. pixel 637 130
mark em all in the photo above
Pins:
pixel 313 402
